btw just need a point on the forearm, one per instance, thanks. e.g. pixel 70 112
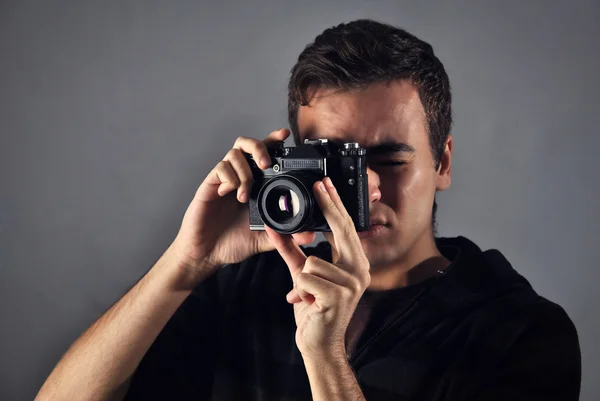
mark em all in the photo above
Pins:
pixel 100 362
pixel 333 380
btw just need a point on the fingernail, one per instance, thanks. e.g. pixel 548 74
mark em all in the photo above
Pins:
pixel 264 162
pixel 322 187
pixel 243 197
pixel 328 182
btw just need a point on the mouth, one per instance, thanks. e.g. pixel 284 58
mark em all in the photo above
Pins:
pixel 377 221
pixel 377 228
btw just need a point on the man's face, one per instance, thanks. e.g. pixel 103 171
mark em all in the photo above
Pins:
pixel 403 179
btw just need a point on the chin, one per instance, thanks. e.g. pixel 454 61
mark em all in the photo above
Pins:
pixel 379 250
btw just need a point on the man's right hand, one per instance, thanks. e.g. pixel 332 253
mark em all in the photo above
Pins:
pixel 215 228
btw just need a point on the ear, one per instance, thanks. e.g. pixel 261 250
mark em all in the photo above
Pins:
pixel 443 178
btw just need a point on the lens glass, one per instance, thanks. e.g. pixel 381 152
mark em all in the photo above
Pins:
pixel 282 204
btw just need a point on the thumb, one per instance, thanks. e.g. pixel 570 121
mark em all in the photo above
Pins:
pixel 304 238
pixel 263 243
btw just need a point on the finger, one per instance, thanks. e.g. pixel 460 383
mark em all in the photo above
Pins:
pixel 325 292
pixel 293 297
pixel 240 165
pixel 330 272
pixel 321 268
pixel 298 295
pixel 326 204
pixel 289 250
pixel 347 242
pixel 303 238
pixel 256 149
pixel 276 136
pixel 337 219
pixel 225 178
pixel 335 197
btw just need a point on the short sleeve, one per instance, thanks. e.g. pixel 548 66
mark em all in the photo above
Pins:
pixel 544 363
pixel 180 363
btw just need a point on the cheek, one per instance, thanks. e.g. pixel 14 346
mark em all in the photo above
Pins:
pixel 409 192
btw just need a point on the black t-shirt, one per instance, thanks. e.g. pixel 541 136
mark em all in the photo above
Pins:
pixel 476 332
pixel 376 309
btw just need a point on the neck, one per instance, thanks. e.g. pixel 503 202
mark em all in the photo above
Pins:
pixel 422 261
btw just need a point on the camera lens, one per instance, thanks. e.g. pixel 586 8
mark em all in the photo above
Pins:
pixel 285 204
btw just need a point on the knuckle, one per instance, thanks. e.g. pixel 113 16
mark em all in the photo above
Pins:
pixel 221 166
pixel 349 229
pixel 260 147
pixel 247 144
pixel 346 292
pixel 224 168
pixel 245 181
pixel 241 139
pixel 235 154
pixel 310 264
pixel 302 278
pixel 244 177
pixel 365 279
pixel 329 204
pixel 312 260
pixel 356 285
pixel 348 221
pixel 232 178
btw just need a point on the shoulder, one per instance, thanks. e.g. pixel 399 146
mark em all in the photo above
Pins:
pixel 525 332
pixel 521 309
pixel 549 325
pixel 485 282
pixel 527 341
pixel 541 355
pixel 492 296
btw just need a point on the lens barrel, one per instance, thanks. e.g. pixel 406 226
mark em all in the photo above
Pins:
pixel 286 203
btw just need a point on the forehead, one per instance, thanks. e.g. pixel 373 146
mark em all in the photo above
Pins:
pixel 390 111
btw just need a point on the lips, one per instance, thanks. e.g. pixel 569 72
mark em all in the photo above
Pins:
pixel 377 221
pixel 373 231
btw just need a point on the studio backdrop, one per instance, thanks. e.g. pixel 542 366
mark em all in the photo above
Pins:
pixel 113 112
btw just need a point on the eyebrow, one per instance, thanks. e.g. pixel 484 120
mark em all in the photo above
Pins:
pixel 390 147
pixel 381 148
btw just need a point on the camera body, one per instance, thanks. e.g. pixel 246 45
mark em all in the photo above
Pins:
pixel 282 195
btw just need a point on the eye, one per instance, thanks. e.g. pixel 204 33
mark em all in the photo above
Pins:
pixel 391 163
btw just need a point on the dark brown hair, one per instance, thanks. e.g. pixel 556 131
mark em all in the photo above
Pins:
pixel 363 52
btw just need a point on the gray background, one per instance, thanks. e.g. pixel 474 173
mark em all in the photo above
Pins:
pixel 112 113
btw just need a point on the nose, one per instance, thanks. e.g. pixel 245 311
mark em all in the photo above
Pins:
pixel 374 192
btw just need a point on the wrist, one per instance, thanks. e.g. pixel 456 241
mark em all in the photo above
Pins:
pixel 319 368
pixel 333 379
pixel 186 274
pixel 331 359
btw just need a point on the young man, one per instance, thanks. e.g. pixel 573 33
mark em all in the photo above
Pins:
pixel 393 313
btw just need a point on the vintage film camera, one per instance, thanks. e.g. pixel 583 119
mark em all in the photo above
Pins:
pixel 282 196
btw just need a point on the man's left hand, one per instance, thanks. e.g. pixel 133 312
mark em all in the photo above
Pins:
pixel 325 294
